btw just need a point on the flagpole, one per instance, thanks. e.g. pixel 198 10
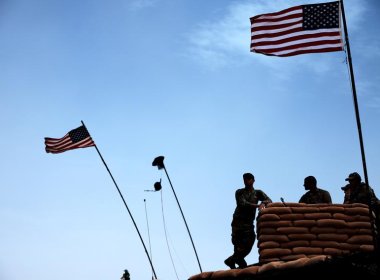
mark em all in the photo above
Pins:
pixel 374 232
pixel 354 94
pixel 126 206
pixel 159 162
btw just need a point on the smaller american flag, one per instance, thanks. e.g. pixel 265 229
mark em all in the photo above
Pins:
pixel 297 30
pixel 74 139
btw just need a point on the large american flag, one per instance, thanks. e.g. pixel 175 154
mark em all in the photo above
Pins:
pixel 298 30
pixel 76 138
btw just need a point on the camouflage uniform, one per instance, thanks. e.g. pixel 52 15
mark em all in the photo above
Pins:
pixel 359 194
pixel 243 231
pixel 315 197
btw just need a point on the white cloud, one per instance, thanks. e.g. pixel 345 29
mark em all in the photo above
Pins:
pixel 225 40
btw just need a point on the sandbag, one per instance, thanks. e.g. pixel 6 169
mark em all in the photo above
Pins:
pixel 324 244
pixel 276 210
pixel 318 230
pixel 229 273
pixel 268 217
pixel 357 211
pixel 272 237
pixel 317 216
pixel 333 237
pixel 292 257
pixel 250 270
pixel 302 236
pixel 275 252
pixel 268 244
pixel 290 230
pixel 305 223
pixel 361 239
pixel 331 223
pixel 307 250
pixel 295 243
pixel 304 210
pixel 203 275
pixel 291 217
pixel 269 266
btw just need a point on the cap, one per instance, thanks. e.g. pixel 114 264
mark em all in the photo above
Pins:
pixel 247 176
pixel 310 180
pixel 353 176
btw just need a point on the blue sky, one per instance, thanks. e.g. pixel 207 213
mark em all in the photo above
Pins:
pixel 171 78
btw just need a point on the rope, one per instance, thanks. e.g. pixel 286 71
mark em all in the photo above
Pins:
pixel 166 235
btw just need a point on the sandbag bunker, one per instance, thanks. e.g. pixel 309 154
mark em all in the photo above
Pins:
pixel 294 230
pixel 295 235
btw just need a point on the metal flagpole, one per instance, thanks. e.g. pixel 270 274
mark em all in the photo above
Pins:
pixel 354 93
pixel 374 232
pixel 126 206
pixel 159 162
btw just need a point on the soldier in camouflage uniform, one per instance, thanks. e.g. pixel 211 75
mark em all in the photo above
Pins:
pixel 243 231
pixel 357 191
pixel 314 195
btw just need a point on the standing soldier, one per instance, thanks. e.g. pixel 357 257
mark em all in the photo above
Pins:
pixel 243 231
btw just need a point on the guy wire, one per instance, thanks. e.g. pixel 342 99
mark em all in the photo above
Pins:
pixel 147 224
pixel 166 235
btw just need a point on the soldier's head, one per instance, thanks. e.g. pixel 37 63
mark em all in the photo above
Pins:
pixel 310 183
pixel 126 274
pixel 354 178
pixel 248 179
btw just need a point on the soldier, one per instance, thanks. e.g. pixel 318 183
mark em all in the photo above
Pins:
pixel 314 195
pixel 357 191
pixel 125 275
pixel 243 231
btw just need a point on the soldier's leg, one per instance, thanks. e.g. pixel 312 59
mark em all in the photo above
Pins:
pixel 244 248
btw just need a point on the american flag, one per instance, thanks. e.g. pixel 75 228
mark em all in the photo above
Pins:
pixel 76 138
pixel 298 30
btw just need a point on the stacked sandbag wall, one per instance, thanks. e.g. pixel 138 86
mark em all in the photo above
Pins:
pixel 296 230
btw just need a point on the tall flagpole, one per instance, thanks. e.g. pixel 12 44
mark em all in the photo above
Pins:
pixel 374 232
pixel 354 93
pixel 159 162
pixel 126 206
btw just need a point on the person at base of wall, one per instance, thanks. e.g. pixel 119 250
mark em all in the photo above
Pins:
pixel 314 195
pixel 125 275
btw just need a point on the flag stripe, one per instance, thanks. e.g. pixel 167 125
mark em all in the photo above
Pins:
pixel 286 12
pixel 308 47
pixel 76 138
pixel 275 21
pixel 306 50
pixel 273 38
pixel 293 31
pixel 295 41
pixel 276 27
